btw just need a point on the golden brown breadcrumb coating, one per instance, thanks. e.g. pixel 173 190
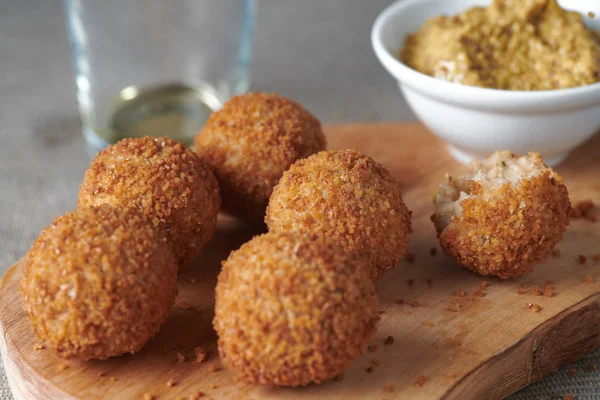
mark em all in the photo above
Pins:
pixel 99 282
pixel 250 142
pixel 347 196
pixel 507 227
pixel 292 309
pixel 166 181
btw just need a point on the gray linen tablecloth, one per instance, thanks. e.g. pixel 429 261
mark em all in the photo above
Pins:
pixel 317 52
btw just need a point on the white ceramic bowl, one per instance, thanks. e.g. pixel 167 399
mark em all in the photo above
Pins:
pixel 476 121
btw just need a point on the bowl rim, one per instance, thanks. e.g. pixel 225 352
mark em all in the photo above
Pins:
pixel 574 97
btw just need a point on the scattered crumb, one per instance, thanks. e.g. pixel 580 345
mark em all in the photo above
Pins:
pixel 200 354
pixel 376 361
pixel 62 366
pixel 373 348
pixel 338 377
pixel 451 308
pixel 429 282
pixel 451 376
pixel 410 282
pixel 573 371
pixel 592 367
pixel 388 388
pixel 148 396
pixel 410 257
pixel 581 259
pixel 213 386
pixel 192 280
pixel 421 381
pixel 400 301
pixel 171 383
pixel 197 395
pixel 39 346
pixel 569 396
pixel 591 14
pixel 433 251
pixel 555 253
pixel 460 293
pixel 586 210
pixel 522 290
pixel 101 374
pixel 370 369
pixel 112 379
pixel 548 290
pixel 414 304
pixel 479 293
pixel 428 323
pixel 537 291
pixel 180 358
pixel 588 279
pixel 213 368
pixel 534 307
pixel 389 340
pixel 483 285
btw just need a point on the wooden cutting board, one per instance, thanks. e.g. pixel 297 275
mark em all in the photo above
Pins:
pixel 483 345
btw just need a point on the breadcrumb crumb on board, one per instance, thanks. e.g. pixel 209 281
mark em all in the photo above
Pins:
pixel 171 383
pixel 421 380
pixel 535 308
pixel 201 354
pixel 586 210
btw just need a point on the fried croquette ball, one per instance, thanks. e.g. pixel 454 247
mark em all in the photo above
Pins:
pixel 163 179
pixel 292 310
pixel 347 196
pixel 250 142
pixel 504 216
pixel 99 282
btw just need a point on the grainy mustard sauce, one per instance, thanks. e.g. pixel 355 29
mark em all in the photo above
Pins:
pixel 511 45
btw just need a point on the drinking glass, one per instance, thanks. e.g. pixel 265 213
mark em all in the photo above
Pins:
pixel 155 67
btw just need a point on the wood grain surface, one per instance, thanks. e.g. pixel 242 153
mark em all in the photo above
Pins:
pixel 483 344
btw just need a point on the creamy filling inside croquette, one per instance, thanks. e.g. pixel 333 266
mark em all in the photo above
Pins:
pixel 503 167
pixel 500 168
pixel 449 196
